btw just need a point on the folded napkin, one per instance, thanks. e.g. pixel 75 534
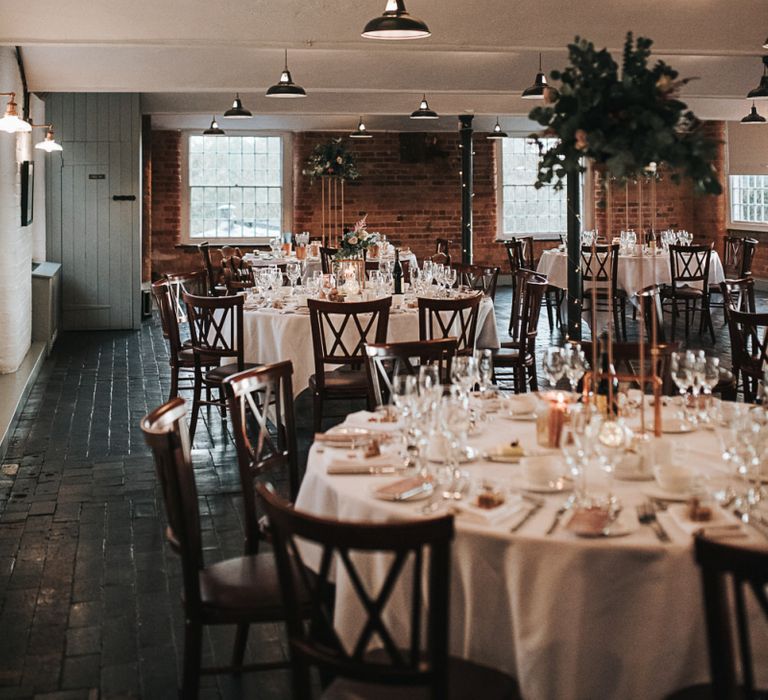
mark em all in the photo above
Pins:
pixel 357 464
pixel 472 513
pixel 722 523
pixel 372 421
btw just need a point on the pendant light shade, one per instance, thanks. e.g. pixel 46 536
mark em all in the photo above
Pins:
pixel 765 45
pixel 237 111
pixel 753 117
pixel 12 123
pixel 536 91
pixel 213 129
pixel 396 24
pixel 361 132
pixel 424 112
pixel 497 133
pixel 761 91
pixel 48 144
pixel 285 87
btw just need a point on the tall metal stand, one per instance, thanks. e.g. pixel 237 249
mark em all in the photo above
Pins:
pixel 467 165
pixel 573 198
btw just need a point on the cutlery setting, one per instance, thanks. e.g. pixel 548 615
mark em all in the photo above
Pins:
pixel 646 514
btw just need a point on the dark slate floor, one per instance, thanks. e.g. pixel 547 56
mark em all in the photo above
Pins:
pixel 89 594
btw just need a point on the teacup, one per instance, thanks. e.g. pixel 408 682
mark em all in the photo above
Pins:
pixel 541 471
pixel 675 478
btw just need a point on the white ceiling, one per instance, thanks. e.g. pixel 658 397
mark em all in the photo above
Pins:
pixel 187 57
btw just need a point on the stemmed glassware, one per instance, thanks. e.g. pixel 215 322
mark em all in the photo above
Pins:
pixel 464 373
pixel 554 365
pixel 575 364
pixel 293 272
pixel 682 369
pixel 484 358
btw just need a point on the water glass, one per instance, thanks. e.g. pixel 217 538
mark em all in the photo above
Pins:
pixel 553 365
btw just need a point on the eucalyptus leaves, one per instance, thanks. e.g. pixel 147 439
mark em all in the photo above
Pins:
pixel 331 159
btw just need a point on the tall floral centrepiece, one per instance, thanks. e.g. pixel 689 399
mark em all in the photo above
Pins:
pixel 355 242
pixel 628 122
pixel 331 159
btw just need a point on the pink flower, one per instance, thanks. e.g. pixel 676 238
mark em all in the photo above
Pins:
pixel 580 137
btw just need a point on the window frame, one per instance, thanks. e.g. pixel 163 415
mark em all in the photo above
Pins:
pixel 737 224
pixel 286 138
pixel 501 235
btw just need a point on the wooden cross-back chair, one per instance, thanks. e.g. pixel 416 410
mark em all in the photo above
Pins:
pixel 450 318
pixel 738 254
pixel 385 360
pixel 210 269
pixel 239 591
pixel 600 270
pixel 418 565
pixel 340 331
pixel 327 254
pixel 689 268
pixel 191 282
pixel 626 362
pixel 480 278
pixel 441 258
pixel 516 360
pixel 738 294
pixel 443 245
pixel 733 580
pixel 749 348
pixel 216 327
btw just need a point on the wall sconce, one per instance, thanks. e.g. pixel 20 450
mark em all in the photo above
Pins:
pixel 12 123
pixel 49 143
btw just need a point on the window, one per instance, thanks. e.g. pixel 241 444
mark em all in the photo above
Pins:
pixel 749 198
pixel 235 186
pixel 526 210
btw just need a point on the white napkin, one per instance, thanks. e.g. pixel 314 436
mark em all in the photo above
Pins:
pixel 490 516
pixel 357 464
pixel 362 419
pixel 722 523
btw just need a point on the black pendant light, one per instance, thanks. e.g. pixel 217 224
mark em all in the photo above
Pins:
pixel 285 87
pixel 761 91
pixel 765 45
pixel 237 111
pixel 536 91
pixel 361 132
pixel 497 133
pixel 213 129
pixel 753 117
pixel 396 24
pixel 424 112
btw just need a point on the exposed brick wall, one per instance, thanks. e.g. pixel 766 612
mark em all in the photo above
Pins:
pixel 414 203
pixel 146 198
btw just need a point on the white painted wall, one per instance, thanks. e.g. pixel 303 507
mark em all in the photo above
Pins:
pixel 41 158
pixel 15 241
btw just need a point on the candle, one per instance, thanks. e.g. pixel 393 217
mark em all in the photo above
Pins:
pixel 549 424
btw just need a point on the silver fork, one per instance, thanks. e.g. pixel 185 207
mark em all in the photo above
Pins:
pixel 647 516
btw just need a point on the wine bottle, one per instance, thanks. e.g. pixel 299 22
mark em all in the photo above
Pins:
pixel 607 391
pixel 397 273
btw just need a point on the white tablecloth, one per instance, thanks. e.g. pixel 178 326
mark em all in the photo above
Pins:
pixel 655 270
pixel 570 618
pixel 273 336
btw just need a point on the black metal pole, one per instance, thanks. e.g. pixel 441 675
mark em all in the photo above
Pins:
pixel 465 132
pixel 573 199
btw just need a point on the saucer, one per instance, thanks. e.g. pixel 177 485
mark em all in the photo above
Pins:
pixel 557 486
pixel 655 491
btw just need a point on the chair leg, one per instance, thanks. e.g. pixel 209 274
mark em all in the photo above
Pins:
pixel 223 406
pixel 624 318
pixel 534 380
pixel 174 382
pixel 512 309
pixel 706 309
pixel 549 311
pixel 193 642
pixel 317 412
pixel 241 639
pixel 195 406
pixel 687 319
pixel 674 319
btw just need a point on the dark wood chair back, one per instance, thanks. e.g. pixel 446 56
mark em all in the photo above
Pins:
pixel 161 295
pixel 600 269
pixel 261 410
pixel 738 253
pixel 529 290
pixel 450 318
pixel 730 575
pixel 164 298
pixel 210 270
pixel 340 331
pixel 689 266
pixel 478 277
pixel 165 431
pixel 443 245
pixel 749 348
pixel 384 360
pixel 216 326
pixel 520 253
pixel 422 549
pixel 441 258
pixel 626 359
pixel 327 254
pixel 738 294
pixel 191 282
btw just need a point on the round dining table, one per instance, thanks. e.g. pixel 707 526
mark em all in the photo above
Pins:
pixel 273 335
pixel 570 617
pixel 635 273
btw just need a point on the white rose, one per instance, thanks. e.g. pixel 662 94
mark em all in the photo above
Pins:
pixel 352 240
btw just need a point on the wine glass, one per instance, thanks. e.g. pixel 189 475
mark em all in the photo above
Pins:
pixel 484 359
pixel 464 373
pixel 681 365
pixel 293 272
pixel 575 364
pixel 553 365
pixel 451 277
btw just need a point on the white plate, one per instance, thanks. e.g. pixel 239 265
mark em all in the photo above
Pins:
pixel 470 455
pixel 655 491
pixel 624 525
pixel 422 495
pixel 674 426
pixel 523 417
pixel 558 486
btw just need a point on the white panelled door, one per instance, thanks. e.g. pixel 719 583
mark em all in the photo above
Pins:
pixel 94 215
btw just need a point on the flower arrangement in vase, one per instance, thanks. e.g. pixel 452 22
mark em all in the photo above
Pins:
pixel 355 242
pixel 331 159
pixel 629 122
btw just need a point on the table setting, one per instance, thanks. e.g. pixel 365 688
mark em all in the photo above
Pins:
pixel 564 514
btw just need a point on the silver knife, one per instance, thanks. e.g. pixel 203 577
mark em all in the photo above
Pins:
pixel 535 508
pixel 556 520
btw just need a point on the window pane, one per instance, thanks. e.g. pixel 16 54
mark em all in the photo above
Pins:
pixel 235 186
pixel 749 198
pixel 526 210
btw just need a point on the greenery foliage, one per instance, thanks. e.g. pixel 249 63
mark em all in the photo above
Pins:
pixel 628 122
pixel 331 159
